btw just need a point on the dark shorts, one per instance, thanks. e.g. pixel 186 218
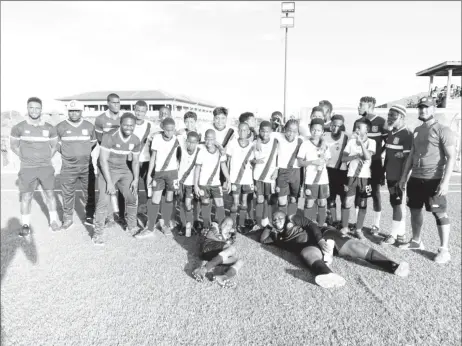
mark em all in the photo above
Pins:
pixel 211 249
pixel 288 182
pixel 360 187
pixel 316 191
pixel 207 192
pixel 422 192
pixel 30 177
pixel 337 181
pixel 377 172
pixel 167 180
pixel 337 237
pixel 187 191
pixel 237 189
pixel 396 195
pixel 263 189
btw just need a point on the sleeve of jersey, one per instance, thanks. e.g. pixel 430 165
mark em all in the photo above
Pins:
pixel 92 134
pixel 372 147
pixel 137 149
pixel 302 151
pixel 309 226
pixel 15 132
pixel 447 137
pixel 106 143
pixel 154 143
pixel 407 142
pixel 53 134
pixel 347 147
pixel 200 159
pixel 98 125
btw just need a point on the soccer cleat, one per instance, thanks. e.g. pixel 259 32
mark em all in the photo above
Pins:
pixel 359 234
pixel 344 230
pixel 132 232
pixel 329 280
pixel 413 245
pixel 98 239
pixel 443 256
pixel 199 274
pixel 242 229
pixel 402 270
pixel 89 222
pixel 110 222
pixel 55 227
pixel 375 231
pixel 25 231
pixel 256 228
pixel 249 223
pixel 146 233
pixel 121 222
pixel 167 230
pixel 198 226
pixel 66 225
pixel 400 239
pixel 389 240
pixel 224 281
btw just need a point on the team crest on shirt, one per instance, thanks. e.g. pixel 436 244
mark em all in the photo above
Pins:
pixel 118 145
pixel 68 131
pixel 375 129
pixel 395 140
pixel 45 133
pixel 85 132
pixel 131 146
pixel 233 187
pixel 26 131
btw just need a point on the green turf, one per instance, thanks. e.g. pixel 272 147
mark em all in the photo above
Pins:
pixel 59 289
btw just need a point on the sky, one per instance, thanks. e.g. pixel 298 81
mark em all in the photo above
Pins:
pixel 230 53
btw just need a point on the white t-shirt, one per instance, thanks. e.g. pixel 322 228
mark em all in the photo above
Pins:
pixel 287 150
pixel 186 163
pixel 352 149
pixel 163 149
pixel 267 166
pixel 208 163
pixel 139 131
pixel 336 152
pixel 309 152
pixel 238 154
pixel 220 135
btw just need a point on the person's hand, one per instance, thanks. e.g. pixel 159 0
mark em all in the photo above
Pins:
pixel 149 181
pixel 399 155
pixel 130 157
pixel 227 186
pixel 442 189
pixel 402 185
pixel 274 176
pixel 110 189
pixel 382 181
pixel 323 245
pixel 134 187
pixel 319 162
pixel 259 162
pixel 197 191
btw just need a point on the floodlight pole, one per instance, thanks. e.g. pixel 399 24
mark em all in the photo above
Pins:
pixel 285 74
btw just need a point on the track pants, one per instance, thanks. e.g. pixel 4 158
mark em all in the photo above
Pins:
pixel 69 177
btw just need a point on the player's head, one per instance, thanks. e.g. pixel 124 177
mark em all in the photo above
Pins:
pixel 190 119
pixel 74 111
pixel 168 127
pixel 34 107
pixel 192 140
pixel 220 118
pixel 279 220
pixel 291 129
pixel 226 226
pixel 141 108
pixel 317 112
pixel 210 138
pixel 337 121
pixel 265 130
pixel 317 127
pixel 113 103
pixel 243 130
pixel 276 120
pixel 362 127
pixel 164 112
pixel 127 123
pixel 366 105
pixel 248 118
pixel 396 116
pixel 327 108
pixel 426 107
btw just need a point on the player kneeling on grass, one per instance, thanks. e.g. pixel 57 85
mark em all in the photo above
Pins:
pixel 358 153
pixel 313 157
pixel 217 248
pixel 207 178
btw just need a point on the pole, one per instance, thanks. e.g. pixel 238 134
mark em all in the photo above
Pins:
pixel 448 89
pixel 285 76
pixel 430 87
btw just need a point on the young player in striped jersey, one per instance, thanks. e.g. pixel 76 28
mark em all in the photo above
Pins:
pixel 115 173
pixel 336 141
pixel 264 170
pixel 163 175
pixel 398 147
pixel 313 158
pixel 249 119
pixel 276 122
pixel 223 132
pixel 207 178
pixel 77 138
pixel 328 108
pixel 378 133
pixel 358 152
pixel 240 152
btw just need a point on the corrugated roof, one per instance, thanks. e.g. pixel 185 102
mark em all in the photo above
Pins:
pixel 137 95
pixel 442 69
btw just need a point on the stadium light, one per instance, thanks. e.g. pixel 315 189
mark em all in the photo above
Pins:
pixel 286 22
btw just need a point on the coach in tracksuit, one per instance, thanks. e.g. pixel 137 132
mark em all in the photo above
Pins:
pixel 76 139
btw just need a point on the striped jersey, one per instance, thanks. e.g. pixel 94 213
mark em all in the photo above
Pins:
pixel 287 151
pixel 34 142
pixel 398 142
pixel 336 147
pixel 142 132
pixel 314 175
pixel 240 170
pixel 166 152
pixel 188 165
pixel 210 167
pixel 269 153
pixel 359 168
pixel 378 133
pixel 75 142
pixel 104 123
pixel 222 136
pixel 119 148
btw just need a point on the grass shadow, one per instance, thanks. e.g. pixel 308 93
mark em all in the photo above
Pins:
pixel 191 246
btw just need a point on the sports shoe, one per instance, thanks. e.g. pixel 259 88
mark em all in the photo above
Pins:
pixel 375 231
pixel 249 223
pixel 256 228
pixel 359 233
pixel 400 239
pixel 66 225
pixel 198 226
pixel 344 230
pixel 25 231
pixel 133 231
pixel 89 222
pixel 98 239
pixel 443 256
pixel 110 222
pixel 167 230
pixel 54 226
pixel 412 245
pixel 329 280
pixel 121 221
pixel 389 240
pixel 242 229
pixel 199 273
pixel 402 270
pixel 145 233
pixel 224 281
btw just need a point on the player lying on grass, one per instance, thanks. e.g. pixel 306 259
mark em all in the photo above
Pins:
pixel 217 248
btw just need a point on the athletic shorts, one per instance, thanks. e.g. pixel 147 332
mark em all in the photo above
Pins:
pixel 288 182
pixel 237 189
pixel 317 191
pixel 360 187
pixel 396 195
pixel 422 192
pixel 377 172
pixel 187 191
pixel 30 177
pixel 263 189
pixel 211 248
pixel 337 237
pixel 167 180
pixel 337 181
pixel 207 192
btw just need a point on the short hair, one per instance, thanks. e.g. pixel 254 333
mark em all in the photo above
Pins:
pixel 245 117
pixel 368 99
pixel 34 99
pixel 364 121
pixel 317 121
pixel 127 115
pixel 243 124
pixel 190 115
pixel 337 117
pixel 317 109
pixel 265 123
pixel 220 110
pixel 277 113
pixel 327 104
pixel 168 121
pixel 141 103
pixel 193 134
pixel 209 131
pixel 290 122
pixel 112 96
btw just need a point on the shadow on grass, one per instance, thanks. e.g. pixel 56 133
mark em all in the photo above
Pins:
pixel 38 196
pixel 10 244
pixel 191 246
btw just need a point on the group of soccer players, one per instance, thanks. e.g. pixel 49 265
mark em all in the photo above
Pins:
pixel 266 169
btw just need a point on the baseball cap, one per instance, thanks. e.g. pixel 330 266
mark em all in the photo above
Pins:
pixel 426 101
pixel 75 105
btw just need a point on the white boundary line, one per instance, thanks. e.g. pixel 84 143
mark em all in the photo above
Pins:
pixel 142 191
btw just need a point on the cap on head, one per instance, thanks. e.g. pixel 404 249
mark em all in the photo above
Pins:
pixel 400 109
pixel 426 101
pixel 317 121
pixel 337 117
pixel 75 105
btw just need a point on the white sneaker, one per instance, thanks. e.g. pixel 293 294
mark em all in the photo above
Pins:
pixel 443 256
pixel 329 255
pixel 329 280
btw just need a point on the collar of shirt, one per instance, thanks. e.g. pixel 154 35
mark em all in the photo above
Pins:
pixel 40 123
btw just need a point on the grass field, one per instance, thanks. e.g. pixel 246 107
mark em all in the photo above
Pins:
pixel 59 289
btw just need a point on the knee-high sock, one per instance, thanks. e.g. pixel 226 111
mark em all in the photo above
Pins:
pixel 219 214
pixel 174 206
pixel 292 209
pixel 259 212
pixel 214 262
pixel 153 211
pixel 283 208
pixel 242 215
pixel 321 215
pixel 206 214
pixel 231 272
pixel 310 213
pixel 345 217
pixel 189 215
pixel 267 210
pixel 360 219
pixel 167 211
pixel 319 268
pixel 251 205
pixel 376 258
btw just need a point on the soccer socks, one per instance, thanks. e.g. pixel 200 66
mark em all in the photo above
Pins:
pixel 283 208
pixel 167 208
pixel 25 219
pixel 188 215
pixel 153 211
pixel 214 262
pixel 292 209
pixel 321 215
pixel 206 214
pixel 360 218
pixel 242 215
pixel 53 216
pixel 220 214
pixel 376 221
pixel 381 261
pixel 319 268
pixel 309 213
pixel 345 217
pixel 259 213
